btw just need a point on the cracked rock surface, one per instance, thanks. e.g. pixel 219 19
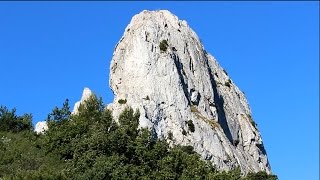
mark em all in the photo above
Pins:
pixel 179 86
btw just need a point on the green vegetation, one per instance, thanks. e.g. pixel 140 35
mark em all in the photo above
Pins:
pixel 164 45
pixel 260 175
pixel 254 124
pixel 228 83
pixel 194 109
pixel 22 153
pixel 92 145
pixel 122 101
pixel 146 98
pixel 9 121
pixel 184 132
pixel 170 135
pixel 190 125
pixel 212 122
pixel 225 72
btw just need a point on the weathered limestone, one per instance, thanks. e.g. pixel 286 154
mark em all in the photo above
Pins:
pixel 184 83
pixel 41 127
pixel 85 96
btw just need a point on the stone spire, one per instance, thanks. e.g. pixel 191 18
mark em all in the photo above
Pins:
pixel 160 67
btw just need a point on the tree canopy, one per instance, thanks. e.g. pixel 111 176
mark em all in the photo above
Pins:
pixel 93 145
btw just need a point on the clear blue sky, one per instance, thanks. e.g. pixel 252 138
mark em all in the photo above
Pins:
pixel 50 51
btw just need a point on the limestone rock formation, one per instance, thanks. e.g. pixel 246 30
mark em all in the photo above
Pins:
pixel 160 67
pixel 85 95
pixel 41 127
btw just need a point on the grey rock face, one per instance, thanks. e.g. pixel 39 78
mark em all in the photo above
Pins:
pixel 181 85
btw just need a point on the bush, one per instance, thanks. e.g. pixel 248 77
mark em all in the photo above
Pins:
pixel 164 45
pixel 170 135
pixel 9 121
pixel 122 101
pixel 187 149
pixel 228 83
pixel 254 124
pixel 260 175
pixel 146 98
pixel 184 132
pixel 190 125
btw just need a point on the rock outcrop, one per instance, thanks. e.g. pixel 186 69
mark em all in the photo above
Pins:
pixel 161 68
pixel 41 127
pixel 85 96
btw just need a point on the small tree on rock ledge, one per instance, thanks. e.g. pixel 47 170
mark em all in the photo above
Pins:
pixel 164 45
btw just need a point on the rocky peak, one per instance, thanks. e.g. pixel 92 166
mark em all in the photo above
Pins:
pixel 85 96
pixel 41 127
pixel 160 67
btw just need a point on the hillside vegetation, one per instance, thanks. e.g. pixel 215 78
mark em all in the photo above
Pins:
pixel 92 145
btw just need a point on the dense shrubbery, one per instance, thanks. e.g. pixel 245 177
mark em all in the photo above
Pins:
pixel 91 145
pixel 9 121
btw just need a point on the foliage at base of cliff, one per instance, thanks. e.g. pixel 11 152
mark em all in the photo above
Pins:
pixel 92 145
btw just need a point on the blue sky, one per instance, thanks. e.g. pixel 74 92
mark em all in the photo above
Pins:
pixel 50 51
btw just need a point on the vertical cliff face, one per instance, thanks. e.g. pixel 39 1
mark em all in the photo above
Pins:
pixel 161 68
